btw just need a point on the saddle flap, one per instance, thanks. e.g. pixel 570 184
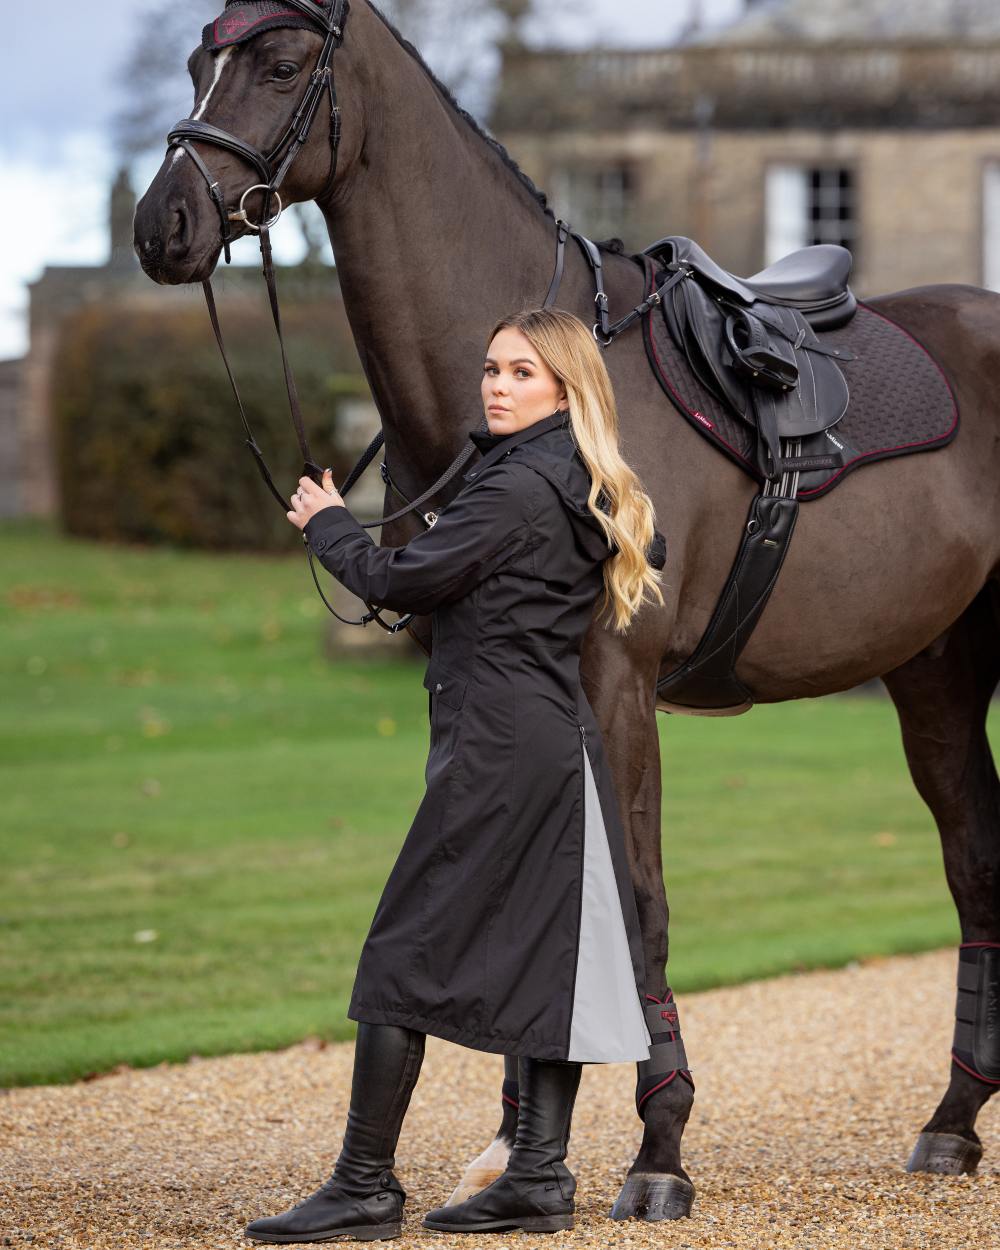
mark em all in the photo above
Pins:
pixel 696 324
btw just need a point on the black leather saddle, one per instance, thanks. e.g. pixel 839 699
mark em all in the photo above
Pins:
pixel 813 279
pixel 753 342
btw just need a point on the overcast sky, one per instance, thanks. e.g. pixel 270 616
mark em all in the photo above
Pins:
pixel 58 93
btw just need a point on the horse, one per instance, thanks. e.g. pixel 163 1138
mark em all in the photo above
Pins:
pixel 437 233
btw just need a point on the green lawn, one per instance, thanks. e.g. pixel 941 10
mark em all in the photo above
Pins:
pixel 200 812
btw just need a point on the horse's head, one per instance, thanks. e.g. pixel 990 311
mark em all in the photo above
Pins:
pixel 266 123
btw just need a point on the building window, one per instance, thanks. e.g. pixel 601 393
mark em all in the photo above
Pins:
pixel 806 204
pixel 597 200
pixel 991 225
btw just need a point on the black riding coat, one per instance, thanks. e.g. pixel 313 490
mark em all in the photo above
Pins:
pixel 508 922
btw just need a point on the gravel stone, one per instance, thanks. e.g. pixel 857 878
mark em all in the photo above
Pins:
pixel 811 1090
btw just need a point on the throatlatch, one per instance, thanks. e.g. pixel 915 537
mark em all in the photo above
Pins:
pixel 666 1055
pixel 976 1046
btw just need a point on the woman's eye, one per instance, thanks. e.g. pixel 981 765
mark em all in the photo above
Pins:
pixel 285 71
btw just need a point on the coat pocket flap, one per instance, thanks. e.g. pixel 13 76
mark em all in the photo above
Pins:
pixel 446 686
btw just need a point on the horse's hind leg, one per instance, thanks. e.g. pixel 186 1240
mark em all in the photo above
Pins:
pixel 491 1162
pixel 942 696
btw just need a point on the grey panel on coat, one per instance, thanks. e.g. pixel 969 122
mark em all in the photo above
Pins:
pixel 608 1022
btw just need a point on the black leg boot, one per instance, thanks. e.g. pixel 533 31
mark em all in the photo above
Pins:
pixel 536 1191
pixel 362 1199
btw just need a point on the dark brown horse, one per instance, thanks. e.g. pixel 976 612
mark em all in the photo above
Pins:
pixel 437 234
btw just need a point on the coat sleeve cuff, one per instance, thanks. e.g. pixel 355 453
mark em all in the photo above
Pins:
pixel 330 525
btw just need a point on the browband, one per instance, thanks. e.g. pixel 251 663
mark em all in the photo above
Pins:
pixel 244 19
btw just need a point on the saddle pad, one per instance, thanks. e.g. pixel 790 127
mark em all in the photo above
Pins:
pixel 900 400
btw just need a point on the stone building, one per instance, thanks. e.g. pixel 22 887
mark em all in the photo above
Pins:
pixel 871 123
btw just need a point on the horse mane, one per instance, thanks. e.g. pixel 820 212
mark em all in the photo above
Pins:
pixel 539 196
pixel 614 244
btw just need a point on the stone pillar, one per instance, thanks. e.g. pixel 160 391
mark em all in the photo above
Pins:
pixel 121 220
pixel 11 371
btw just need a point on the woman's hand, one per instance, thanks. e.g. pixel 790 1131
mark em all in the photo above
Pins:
pixel 310 499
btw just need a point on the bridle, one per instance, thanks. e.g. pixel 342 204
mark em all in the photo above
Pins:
pixel 329 18
pixel 273 166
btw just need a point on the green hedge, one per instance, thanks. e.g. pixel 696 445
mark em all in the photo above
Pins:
pixel 149 444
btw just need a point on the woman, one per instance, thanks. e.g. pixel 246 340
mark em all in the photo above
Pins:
pixel 508 922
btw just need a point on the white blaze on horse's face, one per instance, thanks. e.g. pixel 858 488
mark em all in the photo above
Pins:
pixel 220 64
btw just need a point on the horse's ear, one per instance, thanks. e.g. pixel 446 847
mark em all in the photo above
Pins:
pixel 192 65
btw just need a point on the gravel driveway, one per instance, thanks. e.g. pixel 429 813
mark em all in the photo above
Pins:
pixel 179 1157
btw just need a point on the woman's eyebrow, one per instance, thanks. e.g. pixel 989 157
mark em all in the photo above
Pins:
pixel 521 360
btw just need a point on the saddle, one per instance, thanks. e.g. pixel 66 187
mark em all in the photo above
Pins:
pixel 752 342
pixel 755 364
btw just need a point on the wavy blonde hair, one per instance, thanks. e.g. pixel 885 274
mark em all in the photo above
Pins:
pixel 567 346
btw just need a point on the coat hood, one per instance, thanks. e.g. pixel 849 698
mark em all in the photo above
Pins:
pixel 553 454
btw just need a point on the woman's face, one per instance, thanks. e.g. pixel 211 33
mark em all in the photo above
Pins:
pixel 518 387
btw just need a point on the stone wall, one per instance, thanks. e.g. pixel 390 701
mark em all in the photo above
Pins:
pixel 11 373
pixel 62 290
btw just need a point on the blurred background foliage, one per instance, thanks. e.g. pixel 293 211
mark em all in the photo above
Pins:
pixel 149 443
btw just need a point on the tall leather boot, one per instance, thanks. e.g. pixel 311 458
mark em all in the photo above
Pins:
pixel 363 1198
pixel 536 1190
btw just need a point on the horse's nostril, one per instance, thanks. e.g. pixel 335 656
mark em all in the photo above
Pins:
pixel 178 238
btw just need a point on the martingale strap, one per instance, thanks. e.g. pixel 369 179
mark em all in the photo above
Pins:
pixel 666 1054
pixel 976 1044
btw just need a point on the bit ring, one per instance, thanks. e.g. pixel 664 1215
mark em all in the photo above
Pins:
pixel 241 215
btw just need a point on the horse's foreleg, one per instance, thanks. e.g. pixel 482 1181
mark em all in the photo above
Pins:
pixel 942 696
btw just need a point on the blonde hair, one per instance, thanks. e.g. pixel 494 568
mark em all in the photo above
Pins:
pixel 568 347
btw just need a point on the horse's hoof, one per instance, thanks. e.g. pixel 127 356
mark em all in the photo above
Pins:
pixel 654 1196
pixel 482 1171
pixel 944 1153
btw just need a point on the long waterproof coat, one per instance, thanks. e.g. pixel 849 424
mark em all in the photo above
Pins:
pixel 508 922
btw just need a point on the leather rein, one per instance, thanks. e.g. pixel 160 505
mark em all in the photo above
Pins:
pixel 272 167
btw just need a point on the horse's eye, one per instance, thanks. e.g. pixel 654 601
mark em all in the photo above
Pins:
pixel 285 71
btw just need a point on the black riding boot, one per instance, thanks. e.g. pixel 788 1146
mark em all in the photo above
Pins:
pixel 536 1191
pixel 362 1198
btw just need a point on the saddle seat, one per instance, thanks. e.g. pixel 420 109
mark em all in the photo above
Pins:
pixel 812 275
pixel 814 279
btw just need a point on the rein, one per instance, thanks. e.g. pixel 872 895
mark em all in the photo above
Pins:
pixel 245 19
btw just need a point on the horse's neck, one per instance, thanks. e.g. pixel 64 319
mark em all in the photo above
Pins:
pixel 435 239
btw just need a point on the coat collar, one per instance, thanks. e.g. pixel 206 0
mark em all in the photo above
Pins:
pixel 495 450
